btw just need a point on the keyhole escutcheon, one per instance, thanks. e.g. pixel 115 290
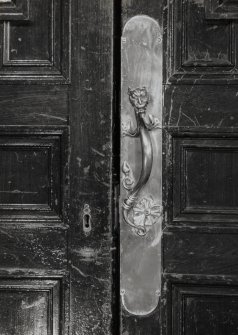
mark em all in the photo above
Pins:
pixel 87 222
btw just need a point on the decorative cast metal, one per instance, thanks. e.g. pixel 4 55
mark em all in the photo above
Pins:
pixel 140 213
pixel 87 224
pixel 141 219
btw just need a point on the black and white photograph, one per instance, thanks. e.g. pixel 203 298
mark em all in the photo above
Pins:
pixel 118 167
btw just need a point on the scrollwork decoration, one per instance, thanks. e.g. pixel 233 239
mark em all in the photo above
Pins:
pixel 128 180
pixel 140 213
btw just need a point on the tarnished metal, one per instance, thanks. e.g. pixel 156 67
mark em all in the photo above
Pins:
pixel 141 165
pixel 140 214
pixel 87 224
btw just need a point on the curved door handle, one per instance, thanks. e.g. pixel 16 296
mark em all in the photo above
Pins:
pixel 140 213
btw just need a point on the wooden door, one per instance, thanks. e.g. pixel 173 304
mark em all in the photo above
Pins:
pixel 200 118
pixel 200 160
pixel 55 167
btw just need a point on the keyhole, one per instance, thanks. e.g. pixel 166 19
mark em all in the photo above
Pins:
pixel 87 224
pixel 86 221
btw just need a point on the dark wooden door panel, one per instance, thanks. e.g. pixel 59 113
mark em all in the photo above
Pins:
pixel 33 39
pixel 191 253
pixel 34 105
pixel 14 10
pixel 204 179
pixel 200 168
pixel 224 9
pixel 201 308
pixel 55 167
pixel 22 300
pixel 197 47
pixel 200 177
pixel 199 252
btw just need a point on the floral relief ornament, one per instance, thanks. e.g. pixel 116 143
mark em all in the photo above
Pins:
pixel 146 213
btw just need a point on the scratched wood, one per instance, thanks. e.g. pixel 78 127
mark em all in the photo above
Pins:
pixel 199 170
pixel 55 153
pixel 44 243
pixel 91 154
pixel 200 145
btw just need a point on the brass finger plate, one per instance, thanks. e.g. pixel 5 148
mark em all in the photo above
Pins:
pixel 141 212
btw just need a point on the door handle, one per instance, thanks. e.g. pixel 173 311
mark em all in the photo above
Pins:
pixel 140 213
pixel 141 165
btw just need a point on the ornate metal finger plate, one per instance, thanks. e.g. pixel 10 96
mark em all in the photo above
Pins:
pixel 141 165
